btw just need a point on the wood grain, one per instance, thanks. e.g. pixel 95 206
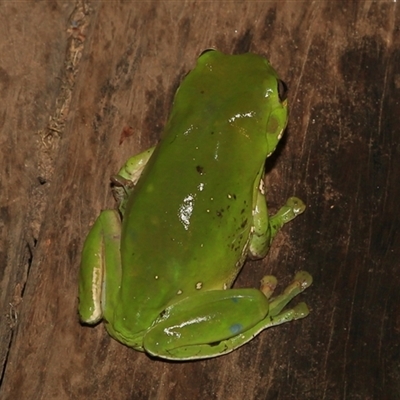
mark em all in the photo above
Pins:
pixel 75 77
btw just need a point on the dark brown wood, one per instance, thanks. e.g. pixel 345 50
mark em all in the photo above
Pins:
pixel 74 78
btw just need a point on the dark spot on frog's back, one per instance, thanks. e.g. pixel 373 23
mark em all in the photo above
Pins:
pixel 244 223
pixel 200 169
pixel 220 212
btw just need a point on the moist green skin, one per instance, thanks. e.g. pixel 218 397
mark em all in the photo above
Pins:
pixel 190 211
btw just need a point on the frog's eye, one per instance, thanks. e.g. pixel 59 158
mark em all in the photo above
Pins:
pixel 282 90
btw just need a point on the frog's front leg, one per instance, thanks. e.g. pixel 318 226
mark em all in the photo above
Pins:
pixel 265 227
pixel 100 271
pixel 127 177
pixel 213 323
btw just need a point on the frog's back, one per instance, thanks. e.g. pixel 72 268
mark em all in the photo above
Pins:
pixel 188 221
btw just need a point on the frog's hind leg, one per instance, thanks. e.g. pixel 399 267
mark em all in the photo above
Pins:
pixel 216 322
pixel 100 270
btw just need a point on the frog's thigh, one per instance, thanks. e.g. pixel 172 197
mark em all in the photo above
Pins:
pixel 206 318
pixel 100 271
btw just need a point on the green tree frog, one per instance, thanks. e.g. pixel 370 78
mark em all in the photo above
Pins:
pixel 158 271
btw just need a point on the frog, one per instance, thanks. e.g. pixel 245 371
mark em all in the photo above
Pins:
pixel 158 269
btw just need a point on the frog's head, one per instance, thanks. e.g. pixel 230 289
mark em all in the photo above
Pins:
pixel 239 94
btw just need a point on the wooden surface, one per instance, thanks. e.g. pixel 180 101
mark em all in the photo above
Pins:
pixel 73 76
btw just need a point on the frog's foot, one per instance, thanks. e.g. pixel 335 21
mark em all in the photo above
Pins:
pixel 125 181
pixel 268 285
pixel 121 189
pixel 293 207
pixel 301 281
pixel 276 316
